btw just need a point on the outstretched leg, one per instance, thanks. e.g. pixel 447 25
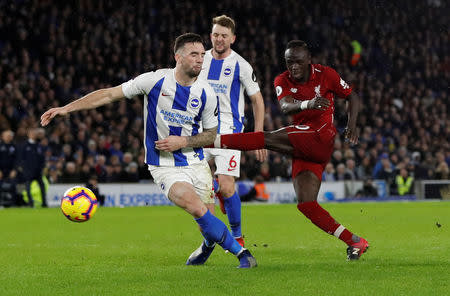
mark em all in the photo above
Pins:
pixel 275 140
pixel 307 185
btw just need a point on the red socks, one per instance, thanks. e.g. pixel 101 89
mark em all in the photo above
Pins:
pixel 322 219
pixel 243 141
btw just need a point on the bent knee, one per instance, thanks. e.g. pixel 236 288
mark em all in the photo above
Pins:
pixel 226 185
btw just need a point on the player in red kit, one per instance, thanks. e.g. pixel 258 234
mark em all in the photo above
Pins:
pixel 307 91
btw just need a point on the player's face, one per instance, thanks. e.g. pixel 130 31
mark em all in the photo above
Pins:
pixel 221 38
pixel 191 58
pixel 297 63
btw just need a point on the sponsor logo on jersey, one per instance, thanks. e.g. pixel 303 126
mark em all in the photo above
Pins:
pixel 163 186
pixel 227 71
pixel 165 95
pixel 175 117
pixel 293 90
pixel 254 76
pixel 219 88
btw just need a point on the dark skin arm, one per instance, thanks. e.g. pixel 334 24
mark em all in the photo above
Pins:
pixel 290 106
pixel 351 133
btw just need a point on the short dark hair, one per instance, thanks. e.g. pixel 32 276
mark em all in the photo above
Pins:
pixel 297 44
pixel 224 21
pixel 186 38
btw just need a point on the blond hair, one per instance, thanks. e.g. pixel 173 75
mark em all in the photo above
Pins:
pixel 224 21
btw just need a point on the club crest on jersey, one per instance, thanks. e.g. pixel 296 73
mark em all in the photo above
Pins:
pixel 194 102
pixel 317 91
pixel 227 71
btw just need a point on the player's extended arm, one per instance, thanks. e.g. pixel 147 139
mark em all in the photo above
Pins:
pixel 91 100
pixel 258 111
pixel 258 115
pixel 351 132
pixel 289 105
pixel 172 143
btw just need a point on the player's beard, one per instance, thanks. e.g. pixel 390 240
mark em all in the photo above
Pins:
pixel 193 73
pixel 222 51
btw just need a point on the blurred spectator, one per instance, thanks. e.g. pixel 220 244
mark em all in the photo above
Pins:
pixel 368 189
pixel 116 150
pixel 144 173
pixel 351 168
pixel 364 170
pixel 70 174
pixel 118 174
pixel 442 171
pixel 384 169
pixel 404 183
pixel 31 163
pixel 278 168
pixel 8 192
pixel 127 159
pixel 258 192
pixel 92 184
pixel 264 171
pixel 131 172
pixel 100 168
pixel 337 158
pixel 58 57
pixel 341 173
pixel 328 174
pixel 8 153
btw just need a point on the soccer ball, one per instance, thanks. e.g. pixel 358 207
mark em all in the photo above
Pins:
pixel 79 204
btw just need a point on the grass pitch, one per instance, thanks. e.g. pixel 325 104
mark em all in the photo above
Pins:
pixel 142 251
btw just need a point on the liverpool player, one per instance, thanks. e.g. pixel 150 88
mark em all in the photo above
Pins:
pixel 307 91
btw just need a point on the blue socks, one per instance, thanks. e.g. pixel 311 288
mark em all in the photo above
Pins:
pixel 233 207
pixel 214 230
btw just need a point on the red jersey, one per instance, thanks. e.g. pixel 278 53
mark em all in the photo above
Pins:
pixel 324 82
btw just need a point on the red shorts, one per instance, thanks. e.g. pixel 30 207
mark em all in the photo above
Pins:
pixel 312 147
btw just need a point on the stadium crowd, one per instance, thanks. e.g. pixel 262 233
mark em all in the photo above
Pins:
pixel 52 52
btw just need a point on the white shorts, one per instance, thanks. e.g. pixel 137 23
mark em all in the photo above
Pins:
pixel 198 175
pixel 228 161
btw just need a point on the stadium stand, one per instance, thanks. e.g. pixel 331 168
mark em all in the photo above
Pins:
pixel 52 52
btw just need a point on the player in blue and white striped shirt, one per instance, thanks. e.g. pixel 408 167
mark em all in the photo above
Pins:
pixel 230 75
pixel 179 119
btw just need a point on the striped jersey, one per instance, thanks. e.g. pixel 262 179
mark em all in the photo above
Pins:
pixel 229 77
pixel 172 109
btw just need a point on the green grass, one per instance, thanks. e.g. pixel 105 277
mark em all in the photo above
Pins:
pixel 142 251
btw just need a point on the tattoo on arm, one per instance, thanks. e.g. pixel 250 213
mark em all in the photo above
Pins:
pixel 205 138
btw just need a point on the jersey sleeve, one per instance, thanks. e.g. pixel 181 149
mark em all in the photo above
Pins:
pixel 281 87
pixel 209 114
pixel 139 85
pixel 248 79
pixel 337 84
